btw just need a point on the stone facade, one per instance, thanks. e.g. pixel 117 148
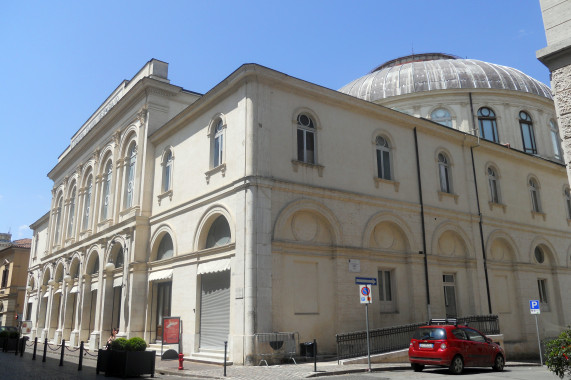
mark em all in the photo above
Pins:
pixel 252 208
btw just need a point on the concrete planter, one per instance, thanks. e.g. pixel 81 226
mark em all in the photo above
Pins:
pixel 126 363
pixel 9 344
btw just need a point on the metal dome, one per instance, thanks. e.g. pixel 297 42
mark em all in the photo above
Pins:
pixel 436 71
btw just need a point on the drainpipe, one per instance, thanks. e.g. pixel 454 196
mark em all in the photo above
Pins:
pixel 423 228
pixel 479 212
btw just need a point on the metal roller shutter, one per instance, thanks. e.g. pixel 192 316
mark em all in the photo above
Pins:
pixel 215 310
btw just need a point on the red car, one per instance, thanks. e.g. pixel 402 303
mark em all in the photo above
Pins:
pixel 455 347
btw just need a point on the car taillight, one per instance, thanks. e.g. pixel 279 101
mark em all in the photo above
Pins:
pixel 443 346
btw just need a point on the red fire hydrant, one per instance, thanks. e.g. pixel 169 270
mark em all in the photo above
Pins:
pixel 180 360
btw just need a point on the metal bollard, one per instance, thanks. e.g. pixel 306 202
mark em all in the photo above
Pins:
pixel 23 343
pixel 80 356
pixel 35 348
pixel 314 355
pixel 225 349
pixel 61 356
pixel 45 348
pixel 18 346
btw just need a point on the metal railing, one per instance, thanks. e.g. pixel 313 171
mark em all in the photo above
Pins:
pixel 354 344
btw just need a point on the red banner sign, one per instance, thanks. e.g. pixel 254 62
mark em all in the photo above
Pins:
pixel 171 330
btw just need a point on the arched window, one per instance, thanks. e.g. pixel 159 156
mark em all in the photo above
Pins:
pixel 441 116
pixel 106 193
pixel 57 234
pixel 87 202
pixel 219 233
pixel 95 268
pixel 539 255
pixel 218 144
pixel 167 171
pixel 444 173
pixel 383 158
pixel 119 258
pixel 555 140
pixel 130 175
pixel 527 135
pixel 494 186
pixel 165 248
pixel 305 139
pixel 568 202
pixel 534 194
pixel 71 214
pixel 488 126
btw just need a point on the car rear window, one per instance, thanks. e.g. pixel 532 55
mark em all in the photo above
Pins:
pixel 433 333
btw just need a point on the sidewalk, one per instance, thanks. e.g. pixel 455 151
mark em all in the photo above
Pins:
pixel 302 370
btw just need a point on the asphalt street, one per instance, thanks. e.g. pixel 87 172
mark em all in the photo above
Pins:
pixel 510 373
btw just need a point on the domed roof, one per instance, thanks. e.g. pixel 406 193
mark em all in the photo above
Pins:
pixel 436 71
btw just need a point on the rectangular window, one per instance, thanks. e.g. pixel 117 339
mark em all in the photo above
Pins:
pixel 5 278
pixel 449 283
pixel 386 291
pixel 542 287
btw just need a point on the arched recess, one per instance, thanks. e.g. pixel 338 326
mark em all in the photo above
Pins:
pixel 206 223
pixel 450 240
pixel 157 239
pixel 387 231
pixel 308 221
pixel 92 265
pixel 115 253
pixel 46 276
pixel 550 257
pixel 501 248
pixel 128 136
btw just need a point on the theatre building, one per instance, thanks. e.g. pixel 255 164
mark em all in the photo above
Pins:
pixel 252 208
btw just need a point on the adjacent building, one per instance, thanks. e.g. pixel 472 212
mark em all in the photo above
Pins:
pixel 253 207
pixel 14 258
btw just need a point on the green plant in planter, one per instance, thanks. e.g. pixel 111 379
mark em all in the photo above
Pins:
pixel 558 352
pixel 3 334
pixel 119 344
pixel 13 335
pixel 136 344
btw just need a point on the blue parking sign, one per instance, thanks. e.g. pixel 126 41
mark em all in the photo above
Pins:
pixel 534 307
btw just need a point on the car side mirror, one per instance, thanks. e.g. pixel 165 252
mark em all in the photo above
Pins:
pixel 488 340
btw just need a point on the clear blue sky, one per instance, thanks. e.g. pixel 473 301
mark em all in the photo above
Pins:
pixel 60 60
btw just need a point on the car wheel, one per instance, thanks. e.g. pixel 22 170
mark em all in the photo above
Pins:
pixel 499 363
pixel 417 367
pixel 457 365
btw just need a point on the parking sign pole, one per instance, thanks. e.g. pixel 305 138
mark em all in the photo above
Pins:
pixel 368 343
pixel 538 341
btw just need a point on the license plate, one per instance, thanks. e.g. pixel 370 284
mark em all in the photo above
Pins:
pixel 426 345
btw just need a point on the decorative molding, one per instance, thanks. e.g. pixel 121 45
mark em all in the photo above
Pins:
pixel 296 164
pixel 535 214
pixel 494 204
pixel 386 181
pixel 442 194
pixel 168 194
pixel 220 168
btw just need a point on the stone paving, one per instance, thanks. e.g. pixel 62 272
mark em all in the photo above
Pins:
pixel 26 368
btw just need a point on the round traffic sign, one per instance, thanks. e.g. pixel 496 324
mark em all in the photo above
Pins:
pixel 365 291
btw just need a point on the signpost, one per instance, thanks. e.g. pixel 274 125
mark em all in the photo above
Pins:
pixel 365 281
pixel 366 297
pixel 171 332
pixel 535 310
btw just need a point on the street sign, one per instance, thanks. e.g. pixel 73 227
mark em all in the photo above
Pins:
pixel 365 294
pixel 534 307
pixel 365 281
